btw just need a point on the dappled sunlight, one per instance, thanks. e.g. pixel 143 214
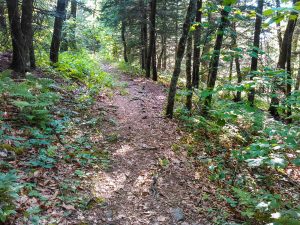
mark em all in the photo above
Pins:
pixel 105 185
pixel 125 149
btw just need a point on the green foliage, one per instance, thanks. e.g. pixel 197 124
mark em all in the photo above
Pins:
pixel 9 189
pixel 32 97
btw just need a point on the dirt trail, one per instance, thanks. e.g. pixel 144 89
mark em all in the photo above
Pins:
pixel 147 182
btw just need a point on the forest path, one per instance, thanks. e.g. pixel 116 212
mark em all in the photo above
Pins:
pixel 147 183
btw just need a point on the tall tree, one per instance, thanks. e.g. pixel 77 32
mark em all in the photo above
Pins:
pixel 144 34
pixel 255 49
pixel 73 30
pixel 189 87
pixel 179 56
pixel 123 36
pixel 27 30
pixel 60 16
pixel 19 63
pixel 284 63
pixel 152 42
pixel 214 60
pixel 197 42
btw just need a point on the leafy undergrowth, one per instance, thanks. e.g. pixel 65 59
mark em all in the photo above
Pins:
pixel 253 159
pixel 48 140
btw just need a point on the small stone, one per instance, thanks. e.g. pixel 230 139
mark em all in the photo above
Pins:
pixel 177 214
pixel 3 153
pixel 161 219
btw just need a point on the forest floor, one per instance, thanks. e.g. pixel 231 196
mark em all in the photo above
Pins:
pixel 147 182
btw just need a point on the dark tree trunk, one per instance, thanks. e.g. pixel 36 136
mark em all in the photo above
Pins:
pixel 19 63
pixel 165 55
pixel 160 57
pixel 239 77
pixel 3 26
pixel 197 42
pixel 73 32
pixel 123 36
pixel 254 59
pixel 214 61
pixel 144 35
pixel 284 64
pixel 154 68
pixel 189 87
pixel 237 64
pixel 152 40
pixel 27 30
pixel 57 31
pixel 179 56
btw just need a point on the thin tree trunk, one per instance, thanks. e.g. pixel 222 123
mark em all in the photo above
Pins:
pixel 154 68
pixel 254 59
pixel 160 57
pixel 214 61
pixel 144 35
pixel 165 55
pixel 179 56
pixel 73 32
pixel 123 36
pixel 197 42
pixel 27 30
pixel 57 31
pixel 189 86
pixel 19 63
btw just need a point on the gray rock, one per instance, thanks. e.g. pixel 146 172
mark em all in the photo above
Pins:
pixel 177 214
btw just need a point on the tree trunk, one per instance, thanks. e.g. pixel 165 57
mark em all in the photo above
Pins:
pixel 214 61
pixel 254 59
pixel 189 86
pixel 152 40
pixel 284 58
pixel 237 64
pixel 179 56
pixel 144 35
pixel 123 36
pixel 197 42
pixel 154 68
pixel 3 25
pixel 73 32
pixel 160 57
pixel 27 30
pixel 57 31
pixel 19 63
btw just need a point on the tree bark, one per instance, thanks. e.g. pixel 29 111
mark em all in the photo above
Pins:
pixel 179 56
pixel 152 40
pixel 123 36
pixel 57 31
pixel 189 86
pixel 27 30
pixel 19 63
pixel 214 61
pixel 256 41
pixel 144 35
pixel 197 42
pixel 73 32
